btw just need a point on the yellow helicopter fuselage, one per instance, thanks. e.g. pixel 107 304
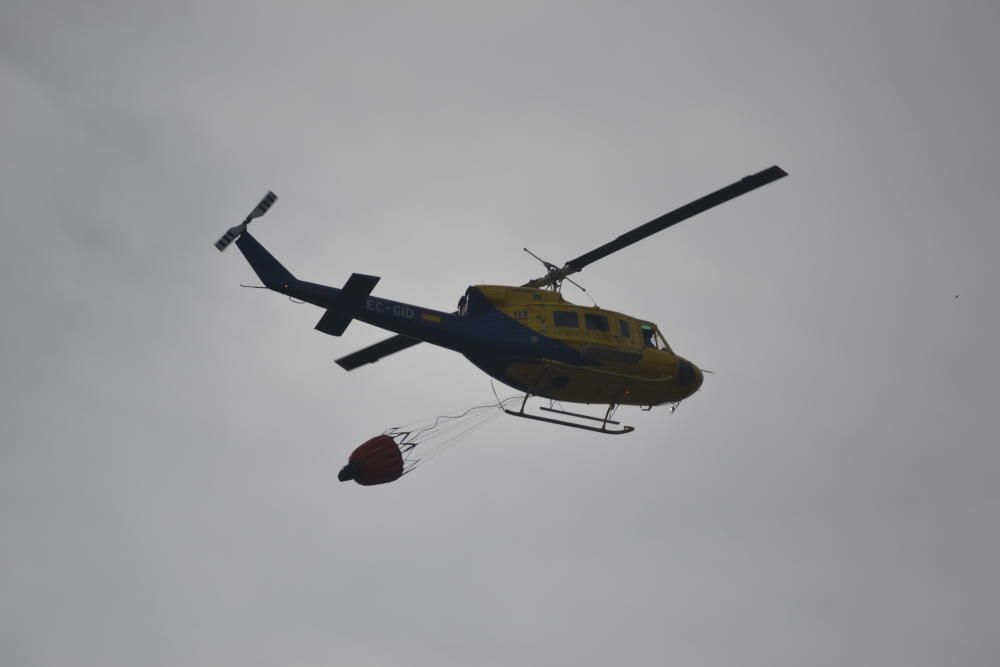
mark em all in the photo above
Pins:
pixel 584 354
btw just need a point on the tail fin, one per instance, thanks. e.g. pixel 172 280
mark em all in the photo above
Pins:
pixel 270 270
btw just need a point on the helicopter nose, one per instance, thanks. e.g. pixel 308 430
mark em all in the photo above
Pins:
pixel 698 378
pixel 689 375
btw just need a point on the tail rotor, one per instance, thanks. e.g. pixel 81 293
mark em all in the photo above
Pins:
pixel 258 211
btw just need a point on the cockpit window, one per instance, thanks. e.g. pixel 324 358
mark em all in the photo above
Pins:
pixel 648 336
pixel 651 337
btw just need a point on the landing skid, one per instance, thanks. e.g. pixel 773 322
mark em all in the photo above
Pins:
pixel 603 428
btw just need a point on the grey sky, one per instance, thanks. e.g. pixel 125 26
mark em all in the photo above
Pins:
pixel 170 442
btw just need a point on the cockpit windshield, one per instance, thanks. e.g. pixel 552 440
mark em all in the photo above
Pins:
pixel 648 336
pixel 651 337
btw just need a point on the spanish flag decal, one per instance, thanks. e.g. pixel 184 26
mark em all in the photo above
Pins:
pixel 430 318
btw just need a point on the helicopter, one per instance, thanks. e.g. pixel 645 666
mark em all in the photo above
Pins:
pixel 528 337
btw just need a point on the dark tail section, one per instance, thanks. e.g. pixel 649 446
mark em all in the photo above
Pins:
pixel 270 270
pixel 342 305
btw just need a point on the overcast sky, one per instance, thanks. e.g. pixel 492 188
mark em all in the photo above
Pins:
pixel 170 442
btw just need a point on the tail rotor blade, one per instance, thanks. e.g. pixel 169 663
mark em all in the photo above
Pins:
pixel 234 232
pixel 230 236
pixel 262 207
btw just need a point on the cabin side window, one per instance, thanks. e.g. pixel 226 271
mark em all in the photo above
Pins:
pixel 566 318
pixel 623 329
pixel 596 322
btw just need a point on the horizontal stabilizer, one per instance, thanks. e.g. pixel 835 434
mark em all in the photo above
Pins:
pixel 351 299
pixel 356 290
pixel 373 353
pixel 333 323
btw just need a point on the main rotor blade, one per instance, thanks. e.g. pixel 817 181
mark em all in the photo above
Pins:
pixel 373 353
pixel 721 196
